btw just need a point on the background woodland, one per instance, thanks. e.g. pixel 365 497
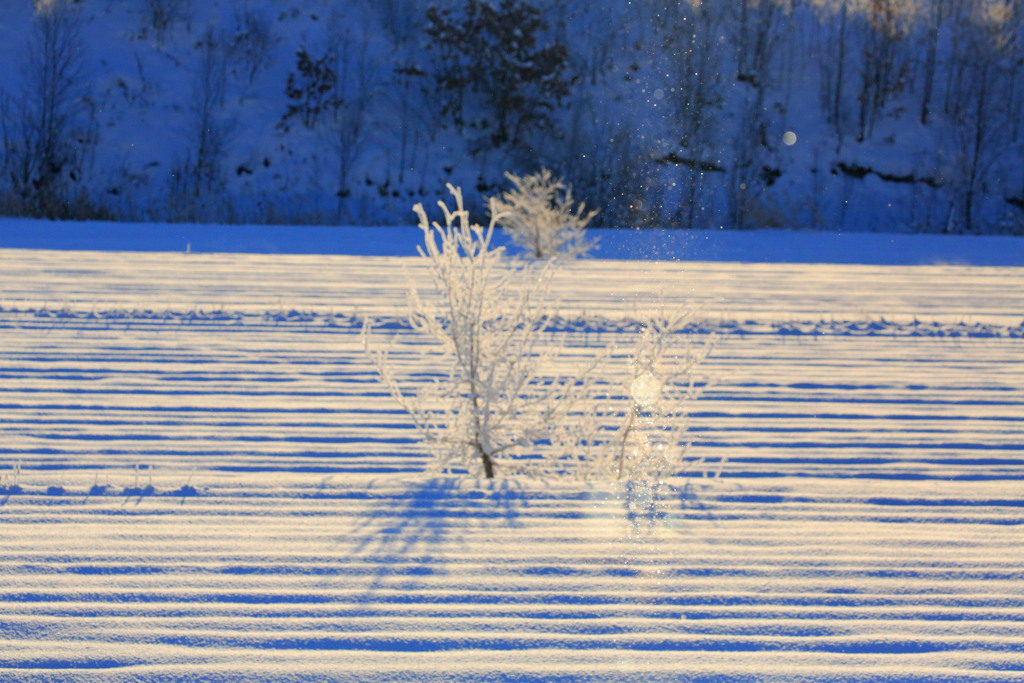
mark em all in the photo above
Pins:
pixel 881 115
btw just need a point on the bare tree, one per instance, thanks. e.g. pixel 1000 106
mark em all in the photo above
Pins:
pixel 982 114
pixel 747 157
pixel 695 99
pixel 345 128
pixel 251 46
pixel 414 118
pixel 633 424
pixel 884 64
pixel 935 15
pixel 46 128
pixel 161 15
pixel 207 129
pixel 400 18
pixel 832 49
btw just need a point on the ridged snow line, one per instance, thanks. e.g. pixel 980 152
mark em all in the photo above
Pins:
pixel 372 287
pixel 91 403
pixel 595 324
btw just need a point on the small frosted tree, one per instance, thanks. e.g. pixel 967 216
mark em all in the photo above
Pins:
pixel 495 403
pixel 540 216
pixel 634 424
pixel 653 438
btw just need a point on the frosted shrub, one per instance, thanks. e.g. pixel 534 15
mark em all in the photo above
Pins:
pixel 492 406
pixel 11 483
pixel 540 217
pixel 501 397
pixel 634 424
pixel 652 440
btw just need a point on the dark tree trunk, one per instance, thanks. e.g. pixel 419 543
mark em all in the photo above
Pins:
pixel 488 465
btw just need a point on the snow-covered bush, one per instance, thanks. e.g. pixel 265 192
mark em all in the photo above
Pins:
pixel 494 400
pixel 653 439
pixel 634 423
pixel 540 217
pixel 11 483
pixel 504 399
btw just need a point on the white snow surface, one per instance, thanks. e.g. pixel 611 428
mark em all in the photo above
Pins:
pixel 202 480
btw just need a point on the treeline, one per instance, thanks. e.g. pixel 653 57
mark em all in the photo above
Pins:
pixel 824 114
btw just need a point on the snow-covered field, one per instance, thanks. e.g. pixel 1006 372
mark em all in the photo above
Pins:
pixel 203 481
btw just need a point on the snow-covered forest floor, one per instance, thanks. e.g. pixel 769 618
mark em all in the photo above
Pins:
pixel 203 480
